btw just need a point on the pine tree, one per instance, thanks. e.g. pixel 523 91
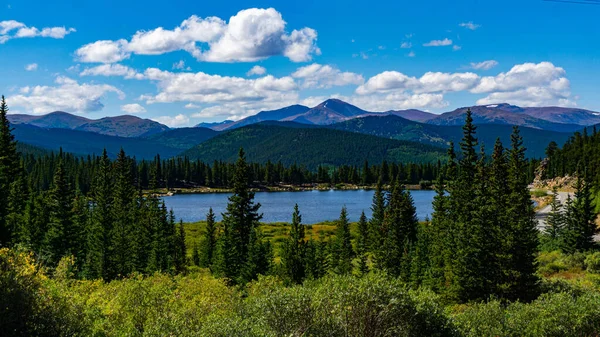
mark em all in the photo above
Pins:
pixel 259 257
pixel 210 240
pixel 555 224
pixel 584 215
pixel 123 242
pixel 9 165
pixel 196 255
pixel 239 223
pixel 342 252
pixel 399 234
pixel 61 233
pixel 293 254
pixel 180 258
pixel 522 234
pixel 378 212
pixel 98 236
pixel 362 244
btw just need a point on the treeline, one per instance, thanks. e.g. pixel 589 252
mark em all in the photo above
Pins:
pixel 183 173
pixel 110 228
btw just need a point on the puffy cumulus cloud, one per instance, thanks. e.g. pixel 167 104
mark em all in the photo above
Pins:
pixel 104 51
pixel 398 101
pixel 326 76
pixel 393 81
pixel 387 81
pixel 173 121
pixel 485 65
pixel 112 70
pixel 527 84
pixel 250 35
pixel 522 76
pixel 205 88
pixel 133 108
pixel 533 96
pixel 67 95
pixel 438 43
pixel 11 29
pixel 469 25
pixel 444 82
pixel 31 67
pixel 256 70
pixel 406 45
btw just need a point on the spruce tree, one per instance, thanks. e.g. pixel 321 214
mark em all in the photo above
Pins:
pixel 584 215
pixel 521 232
pixel 61 233
pixel 555 224
pixel 239 223
pixel 378 212
pixel 293 254
pixel 210 240
pixel 123 242
pixel 362 244
pixel 342 252
pixel 9 165
pixel 180 254
pixel 98 239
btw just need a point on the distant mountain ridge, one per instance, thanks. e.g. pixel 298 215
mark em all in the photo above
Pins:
pixel 121 126
pixel 334 111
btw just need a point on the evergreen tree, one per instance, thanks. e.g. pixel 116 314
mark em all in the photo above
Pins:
pixel 210 240
pixel 583 220
pixel 362 244
pixel 342 252
pixel 9 165
pixel 378 212
pixel 180 258
pixel 521 232
pixel 196 256
pixel 98 236
pixel 555 224
pixel 61 232
pixel 239 223
pixel 123 242
pixel 259 257
pixel 399 234
pixel 293 254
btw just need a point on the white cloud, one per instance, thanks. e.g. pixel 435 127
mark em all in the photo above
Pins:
pixel 325 76
pixel 406 45
pixel 176 121
pixel 31 67
pixel 180 65
pixel 112 70
pixel 469 25
pixel 485 65
pixel 204 88
pixel 523 76
pixel 393 81
pixel 256 70
pixel 191 106
pixel 250 35
pixel 438 43
pixel 133 108
pixel 411 54
pixel 527 84
pixel 23 31
pixel 456 48
pixel 105 51
pixel 67 95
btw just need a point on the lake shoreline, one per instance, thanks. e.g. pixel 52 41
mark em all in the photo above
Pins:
pixel 163 192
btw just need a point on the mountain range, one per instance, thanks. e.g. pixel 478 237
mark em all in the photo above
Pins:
pixel 334 111
pixel 287 133
pixel 121 126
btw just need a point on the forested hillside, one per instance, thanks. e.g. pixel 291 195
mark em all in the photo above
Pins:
pixel 310 147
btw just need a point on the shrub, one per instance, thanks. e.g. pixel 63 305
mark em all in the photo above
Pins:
pixel 592 263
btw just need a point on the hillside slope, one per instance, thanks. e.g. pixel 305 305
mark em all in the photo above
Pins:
pixel 310 147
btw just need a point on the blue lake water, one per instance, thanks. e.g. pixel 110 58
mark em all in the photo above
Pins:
pixel 315 206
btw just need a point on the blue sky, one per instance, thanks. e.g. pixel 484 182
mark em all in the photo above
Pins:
pixel 182 62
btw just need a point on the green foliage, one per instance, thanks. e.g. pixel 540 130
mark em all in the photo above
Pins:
pixel 305 145
pixel 342 252
pixel 592 263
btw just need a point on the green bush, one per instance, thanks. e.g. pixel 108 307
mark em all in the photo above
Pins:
pixel 592 263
